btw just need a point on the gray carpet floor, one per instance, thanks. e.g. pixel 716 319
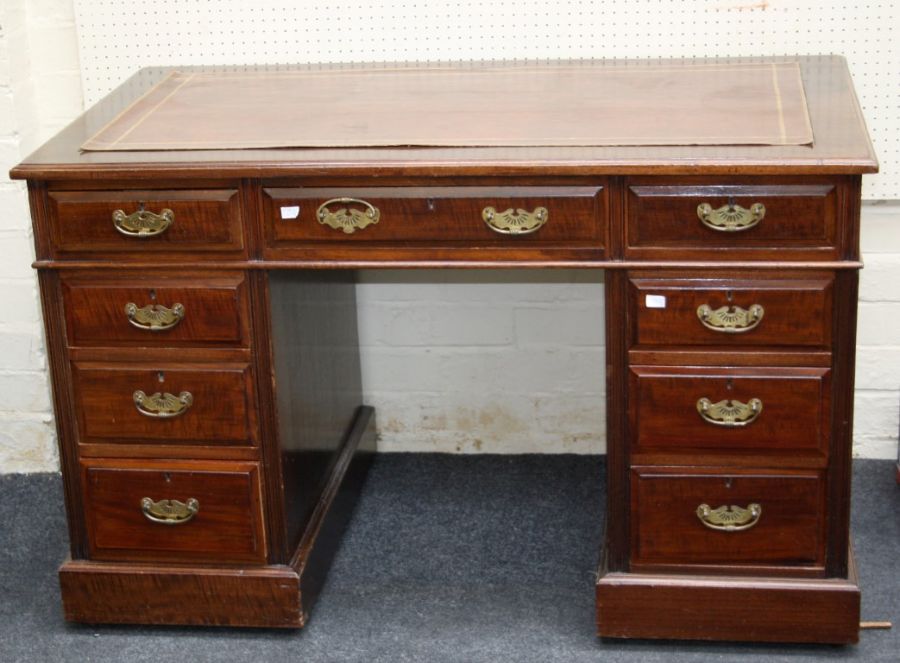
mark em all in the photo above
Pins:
pixel 447 558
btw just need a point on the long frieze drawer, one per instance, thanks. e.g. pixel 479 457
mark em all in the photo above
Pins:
pixel 164 404
pixel 732 311
pixel 718 219
pixel 157 222
pixel 502 214
pixel 167 511
pixel 150 310
pixel 721 516
pixel 727 410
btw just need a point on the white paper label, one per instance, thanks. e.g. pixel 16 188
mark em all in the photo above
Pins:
pixel 655 301
pixel 291 212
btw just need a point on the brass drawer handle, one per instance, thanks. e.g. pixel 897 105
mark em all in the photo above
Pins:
pixel 729 413
pixel 729 518
pixel 169 512
pixel 345 218
pixel 143 223
pixel 731 218
pixel 154 317
pixel 162 406
pixel 515 222
pixel 731 320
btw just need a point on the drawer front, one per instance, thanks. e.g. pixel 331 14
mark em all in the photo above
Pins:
pixel 131 512
pixel 175 221
pixel 135 309
pixel 730 410
pixel 669 525
pixel 735 311
pixel 165 404
pixel 719 218
pixel 522 215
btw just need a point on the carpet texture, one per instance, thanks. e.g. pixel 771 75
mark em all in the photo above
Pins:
pixel 447 558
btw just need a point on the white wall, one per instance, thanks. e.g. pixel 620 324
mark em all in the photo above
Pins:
pixel 493 361
pixel 40 92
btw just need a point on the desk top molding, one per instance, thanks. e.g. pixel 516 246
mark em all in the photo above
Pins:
pixel 841 144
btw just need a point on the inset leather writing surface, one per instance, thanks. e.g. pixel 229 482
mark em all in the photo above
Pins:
pixel 532 105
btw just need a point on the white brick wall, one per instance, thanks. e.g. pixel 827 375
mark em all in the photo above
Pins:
pixel 488 361
pixel 878 334
pixel 40 91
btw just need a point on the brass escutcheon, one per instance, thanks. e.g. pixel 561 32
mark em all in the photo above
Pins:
pixel 347 219
pixel 169 512
pixel 730 320
pixel 730 218
pixel 162 406
pixel 729 413
pixel 729 518
pixel 515 222
pixel 142 223
pixel 154 317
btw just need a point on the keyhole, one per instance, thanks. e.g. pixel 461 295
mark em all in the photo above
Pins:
pixel 140 206
pixel 429 203
pixel 152 295
pixel 729 385
pixel 729 295
pixel 730 203
pixel 728 482
pixel 167 477
pixel 161 376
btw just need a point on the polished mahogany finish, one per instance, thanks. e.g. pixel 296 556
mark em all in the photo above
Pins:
pixel 800 220
pixel 221 410
pixel 793 418
pixel 441 216
pixel 796 312
pixel 203 222
pixel 666 529
pixel 215 307
pixel 273 443
pixel 227 527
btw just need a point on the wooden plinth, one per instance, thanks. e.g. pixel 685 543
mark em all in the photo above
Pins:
pixel 753 609
pixel 274 596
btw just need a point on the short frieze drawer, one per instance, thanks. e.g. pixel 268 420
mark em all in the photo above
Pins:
pixel 157 223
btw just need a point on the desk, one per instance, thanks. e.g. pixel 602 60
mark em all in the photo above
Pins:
pixel 201 327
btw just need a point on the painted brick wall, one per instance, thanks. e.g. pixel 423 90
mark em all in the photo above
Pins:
pixel 40 91
pixel 488 361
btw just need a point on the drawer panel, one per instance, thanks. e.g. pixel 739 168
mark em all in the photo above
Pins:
pixel 665 217
pixel 136 309
pixel 727 410
pixel 217 410
pixel 219 518
pixel 737 311
pixel 202 221
pixel 787 530
pixel 573 214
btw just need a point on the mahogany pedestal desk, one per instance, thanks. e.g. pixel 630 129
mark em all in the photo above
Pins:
pixel 197 283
